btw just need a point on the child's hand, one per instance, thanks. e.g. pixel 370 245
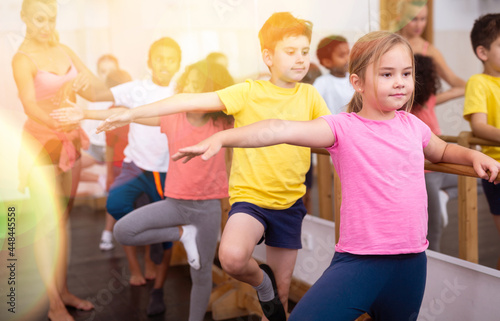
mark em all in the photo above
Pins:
pixel 207 148
pixel 114 121
pixel 68 115
pixel 483 163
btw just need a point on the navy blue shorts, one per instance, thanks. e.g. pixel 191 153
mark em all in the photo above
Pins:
pixel 492 193
pixel 282 228
pixel 387 287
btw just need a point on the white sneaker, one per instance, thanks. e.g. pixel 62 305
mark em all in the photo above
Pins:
pixel 101 180
pixel 443 201
pixel 106 243
pixel 188 239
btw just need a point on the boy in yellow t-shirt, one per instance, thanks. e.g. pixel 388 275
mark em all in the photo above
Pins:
pixel 482 98
pixel 266 184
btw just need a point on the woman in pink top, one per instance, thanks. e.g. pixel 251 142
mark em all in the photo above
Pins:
pixel 380 265
pixel 411 25
pixel 427 96
pixel 47 73
pixel 191 211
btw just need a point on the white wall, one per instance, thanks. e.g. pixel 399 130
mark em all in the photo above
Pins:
pixel 459 290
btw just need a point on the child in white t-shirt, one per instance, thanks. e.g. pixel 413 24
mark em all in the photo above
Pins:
pixel 334 87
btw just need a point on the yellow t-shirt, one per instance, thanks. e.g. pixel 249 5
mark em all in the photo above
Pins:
pixel 482 95
pixel 270 177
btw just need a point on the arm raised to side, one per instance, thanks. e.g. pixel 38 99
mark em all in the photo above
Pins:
pixel 314 133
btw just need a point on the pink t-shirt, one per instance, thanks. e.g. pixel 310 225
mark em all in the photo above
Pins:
pixel 381 167
pixel 196 179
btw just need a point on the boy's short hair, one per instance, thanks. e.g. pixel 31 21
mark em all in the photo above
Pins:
pixel 213 56
pixel 166 42
pixel 485 31
pixel 109 57
pixel 281 25
pixel 327 45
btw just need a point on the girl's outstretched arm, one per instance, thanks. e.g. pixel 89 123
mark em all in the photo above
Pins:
pixel 439 151
pixel 315 133
pixel 201 102
pixel 75 113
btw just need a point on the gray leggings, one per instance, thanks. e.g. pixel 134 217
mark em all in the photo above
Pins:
pixel 159 221
pixel 434 182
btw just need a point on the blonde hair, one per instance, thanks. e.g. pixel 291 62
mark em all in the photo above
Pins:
pixel 27 3
pixel 403 16
pixel 52 3
pixel 369 49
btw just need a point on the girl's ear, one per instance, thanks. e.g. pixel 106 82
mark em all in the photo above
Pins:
pixel 356 83
pixel 267 56
pixel 482 53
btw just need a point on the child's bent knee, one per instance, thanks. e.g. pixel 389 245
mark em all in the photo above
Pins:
pixel 232 260
pixel 120 233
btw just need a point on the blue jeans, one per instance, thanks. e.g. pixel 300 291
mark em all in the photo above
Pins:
pixel 387 287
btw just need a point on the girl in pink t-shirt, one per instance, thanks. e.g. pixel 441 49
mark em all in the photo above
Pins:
pixel 380 265
pixel 191 211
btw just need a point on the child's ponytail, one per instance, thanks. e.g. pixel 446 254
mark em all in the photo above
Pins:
pixel 355 104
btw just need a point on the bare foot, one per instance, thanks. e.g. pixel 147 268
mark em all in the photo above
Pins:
pixel 71 300
pixel 137 280
pixel 149 270
pixel 60 314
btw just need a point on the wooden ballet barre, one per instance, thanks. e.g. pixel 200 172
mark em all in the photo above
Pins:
pixel 320 151
pixel 483 142
pixel 461 170
pixel 449 139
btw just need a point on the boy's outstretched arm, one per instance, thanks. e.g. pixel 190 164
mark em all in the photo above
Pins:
pixel 315 133
pixel 481 128
pixel 439 151
pixel 201 102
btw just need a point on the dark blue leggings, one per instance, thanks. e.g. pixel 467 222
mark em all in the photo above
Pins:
pixel 387 287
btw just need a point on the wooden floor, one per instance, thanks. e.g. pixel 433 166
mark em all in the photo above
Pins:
pixel 102 276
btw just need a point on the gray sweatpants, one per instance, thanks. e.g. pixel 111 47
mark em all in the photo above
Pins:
pixel 434 182
pixel 159 221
